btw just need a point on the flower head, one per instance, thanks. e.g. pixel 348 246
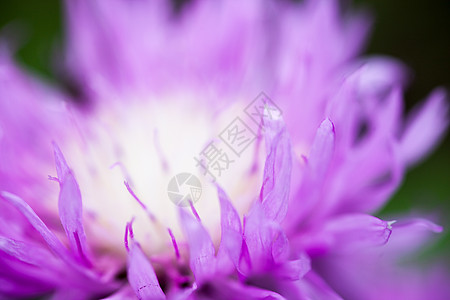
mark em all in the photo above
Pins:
pixel 279 190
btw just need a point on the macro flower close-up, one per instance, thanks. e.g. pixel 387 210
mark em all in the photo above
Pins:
pixel 216 150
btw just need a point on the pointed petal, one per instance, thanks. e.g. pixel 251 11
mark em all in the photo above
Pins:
pixel 32 261
pixel 70 208
pixel 274 193
pixel 265 240
pixel 201 248
pixel 322 149
pixel 318 163
pixel 62 168
pixel 231 240
pixel 27 252
pixel 53 242
pixel 141 274
pixel 351 233
pixel 84 278
pixel 384 275
pixel 424 128
pixel 418 224
pixel 409 235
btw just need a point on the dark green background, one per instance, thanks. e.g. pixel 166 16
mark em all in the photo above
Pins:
pixel 416 32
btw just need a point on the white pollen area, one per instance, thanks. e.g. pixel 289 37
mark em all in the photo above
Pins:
pixel 147 143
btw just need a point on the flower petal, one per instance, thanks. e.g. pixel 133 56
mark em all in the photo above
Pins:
pixel 408 235
pixel 30 262
pixel 27 252
pixel 318 163
pixel 266 242
pixel 294 269
pixel 231 240
pixel 314 287
pixel 53 242
pixel 201 248
pixel 424 128
pixel 70 208
pixel 232 289
pixel 383 275
pixel 141 274
pixel 350 233
pixel 125 293
pixel 274 193
pixel 82 278
pixel 29 112
pixel 322 149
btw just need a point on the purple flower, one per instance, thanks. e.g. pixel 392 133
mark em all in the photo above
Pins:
pixel 291 221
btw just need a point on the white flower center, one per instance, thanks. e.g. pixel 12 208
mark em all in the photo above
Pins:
pixel 147 144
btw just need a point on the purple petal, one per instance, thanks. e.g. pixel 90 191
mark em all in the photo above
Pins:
pixel 266 242
pixel 201 248
pixel 141 274
pixel 280 246
pixel 232 289
pixel 70 208
pixel 33 263
pixel 26 252
pixel 419 225
pixel 29 111
pixel 319 160
pixel 383 275
pixel 125 293
pixel 411 234
pixel 294 269
pixel 82 277
pixel 231 240
pixel 258 238
pixel 174 244
pixel 19 281
pixel 321 150
pixel 371 168
pixel 69 294
pixel 53 242
pixel 350 233
pixel 274 193
pixel 314 287
pixel 424 128
pixel 62 168
pixel 367 113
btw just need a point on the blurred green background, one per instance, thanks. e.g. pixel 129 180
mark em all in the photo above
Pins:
pixel 416 32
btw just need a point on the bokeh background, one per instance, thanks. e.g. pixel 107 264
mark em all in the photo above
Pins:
pixel 416 32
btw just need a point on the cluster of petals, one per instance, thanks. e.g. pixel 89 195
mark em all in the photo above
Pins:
pixel 336 156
